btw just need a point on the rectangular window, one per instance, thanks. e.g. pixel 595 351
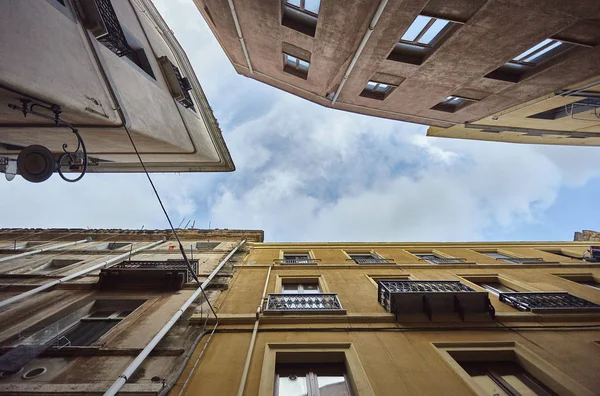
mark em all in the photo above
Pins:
pixel 300 288
pixel 435 259
pixel 514 260
pixel 517 67
pixel 297 259
pixel 367 258
pixel 452 104
pixel 295 66
pixel 495 287
pixel 420 38
pixel 377 90
pixel 301 15
pixel 504 378
pixel 319 379
pixel 570 110
pixel 583 279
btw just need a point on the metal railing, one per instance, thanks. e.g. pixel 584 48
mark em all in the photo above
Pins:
pixel 303 302
pixel 371 260
pixel 114 39
pixel 298 261
pixel 170 265
pixel 446 260
pixel 522 260
pixel 414 286
pixel 562 301
pixel 184 83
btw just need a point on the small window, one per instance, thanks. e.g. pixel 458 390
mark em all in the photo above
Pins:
pixel 496 287
pixel 297 259
pixel 367 258
pixel 570 110
pixel 517 67
pixel 295 66
pixel 435 259
pixel 300 288
pixel 420 38
pixel 377 90
pixel 301 15
pixel 452 104
pixel 319 379
pixel 504 378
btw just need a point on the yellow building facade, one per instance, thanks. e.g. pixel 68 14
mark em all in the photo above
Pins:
pixel 404 319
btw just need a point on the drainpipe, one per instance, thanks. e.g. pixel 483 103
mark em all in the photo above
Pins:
pixel 122 379
pixel 16 256
pixel 240 36
pixel 76 274
pixel 360 48
pixel 253 338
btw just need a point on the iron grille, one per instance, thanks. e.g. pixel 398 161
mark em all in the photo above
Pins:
pixel 170 265
pixel 561 301
pixel 443 260
pixel 370 260
pixel 114 39
pixel 184 83
pixel 303 302
pixel 523 260
pixel 298 261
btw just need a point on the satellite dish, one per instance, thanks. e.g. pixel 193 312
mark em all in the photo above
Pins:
pixel 36 163
pixel 11 170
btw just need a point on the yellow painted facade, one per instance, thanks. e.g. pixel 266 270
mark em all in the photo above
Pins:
pixel 404 353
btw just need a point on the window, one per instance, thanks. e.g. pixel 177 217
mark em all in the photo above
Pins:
pixel 495 287
pixel 367 258
pixel 420 38
pixel 504 378
pixel 517 67
pixel 301 15
pixel 435 259
pixel 377 90
pixel 295 66
pixel 207 245
pixel 53 265
pixel 583 279
pixel 514 260
pixel 570 110
pixel 301 288
pixel 320 379
pixel 297 259
pixel 452 104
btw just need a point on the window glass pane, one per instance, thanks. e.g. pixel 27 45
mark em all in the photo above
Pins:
pixel 85 333
pixel 304 65
pixel 292 386
pixel 371 85
pixel 519 386
pixel 290 288
pixel 489 386
pixel 293 2
pixel 542 52
pixel 382 88
pixel 433 31
pixel 332 385
pixel 415 28
pixel 530 50
pixel 312 5
pixel 496 287
pixel 311 288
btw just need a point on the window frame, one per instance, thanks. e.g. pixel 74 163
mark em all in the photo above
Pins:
pixel 539 368
pixel 435 39
pixel 447 106
pixel 312 378
pixel 340 352
pixel 302 7
pixel 295 70
pixel 372 93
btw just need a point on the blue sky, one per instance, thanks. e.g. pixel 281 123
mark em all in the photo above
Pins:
pixel 308 173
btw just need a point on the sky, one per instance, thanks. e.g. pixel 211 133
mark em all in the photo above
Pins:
pixel 310 173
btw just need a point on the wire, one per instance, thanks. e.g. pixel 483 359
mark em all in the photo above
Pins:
pixel 187 262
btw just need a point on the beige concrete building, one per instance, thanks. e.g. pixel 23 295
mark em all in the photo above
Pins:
pixel 101 65
pixel 515 71
pixel 79 307
pixel 391 319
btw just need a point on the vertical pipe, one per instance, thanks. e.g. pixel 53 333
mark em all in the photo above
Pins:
pixel 253 338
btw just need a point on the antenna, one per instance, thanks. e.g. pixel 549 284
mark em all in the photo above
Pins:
pixel 179 226
pixel 186 224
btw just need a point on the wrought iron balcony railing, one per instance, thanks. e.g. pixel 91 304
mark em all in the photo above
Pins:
pixel 184 83
pixel 298 261
pixel 446 260
pixel 523 260
pixel 114 38
pixel 303 303
pixel 371 260
pixel 171 274
pixel 412 296
pixel 548 302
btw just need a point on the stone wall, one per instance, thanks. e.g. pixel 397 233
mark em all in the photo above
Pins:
pixel 587 235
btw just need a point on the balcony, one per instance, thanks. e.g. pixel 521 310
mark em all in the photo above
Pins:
pixel 429 297
pixel 107 27
pixel 548 302
pixel 297 261
pixel 372 260
pixel 304 303
pixel 170 274
pixel 523 260
pixel 444 260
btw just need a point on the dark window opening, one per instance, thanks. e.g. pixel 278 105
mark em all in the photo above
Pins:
pixel 377 90
pixel 453 104
pixel 324 379
pixel 296 66
pixel 582 106
pixel 301 15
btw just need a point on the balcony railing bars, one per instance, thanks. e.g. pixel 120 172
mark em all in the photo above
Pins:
pixel 522 260
pixel 303 302
pixel 446 260
pixel 114 39
pixel 540 301
pixel 424 286
pixel 184 83
pixel 297 261
pixel 170 265
pixel 370 260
